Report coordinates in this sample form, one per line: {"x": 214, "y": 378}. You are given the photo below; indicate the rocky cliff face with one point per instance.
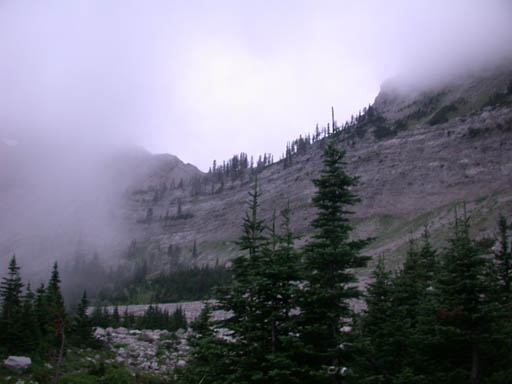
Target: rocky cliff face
{"x": 441, "y": 147}
{"x": 419, "y": 155}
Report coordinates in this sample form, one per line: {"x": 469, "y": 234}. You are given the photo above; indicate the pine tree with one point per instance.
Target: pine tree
{"x": 82, "y": 326}
{"x": 11, "y": 296}
{"x": 376, "y": 351}
{"x": 467, "y": 314}
{"x": 329, "y": 262}
{"x": 207, "y": 358}
{"x": 57, "y": 319}
{"x": 116, "y": 317}
{"x": 403, "y": 302}
{"x": 30, "y": 329}
{"x": 503, "y": 257}
{"x": 41, "y": 309}
{"x": 261, "y": 344}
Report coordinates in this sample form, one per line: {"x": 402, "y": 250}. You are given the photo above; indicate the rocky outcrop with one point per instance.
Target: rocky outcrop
{"x": 408, "y": 179}
{"x": 152, "y": 351}
{"x": 17, "y": 363}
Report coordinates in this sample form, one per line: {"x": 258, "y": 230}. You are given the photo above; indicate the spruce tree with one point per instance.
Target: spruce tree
{"x": 261, "y": 343}
{"x": 466, "y": 311}
{"x": 41, "y": 309}
{"x": 57, "y": 317}
{"x": 11, "y": 297}
{"x": 30, "y": 329}
{"x": 329, "y": 262}
{"x": 376, "y": 351}
{"x": 207, "y": 362}
{"x": 503, "y": 261}
{"x": 82, "y": 325}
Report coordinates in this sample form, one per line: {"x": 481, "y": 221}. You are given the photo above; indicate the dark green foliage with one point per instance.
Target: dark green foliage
{"x": 261, "y": 298}
{"x": 397, "y": 325}
{"x": 466, "y": 313}
{"x": 153, "y": 318}
{"x": 11, "y": 315}
{"x": 443, "y": 114}
{"x": 57, "y": 319}
{"x": 82, "y": 325}
{"x": 30, "y": 333}
{"x": 329, "y": 262}
{"x": 36, "y": 322}
{"x": 503, "y": 257}
{"x": 208, "y": 362}
{"x": 438, "y": 320}
{"x": 189, "y": 284}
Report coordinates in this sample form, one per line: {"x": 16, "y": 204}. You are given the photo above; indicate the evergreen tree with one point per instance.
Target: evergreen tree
{"x": 115, "y": 320}
{"x": 402, "y": 302}
{"x": 503, "y": 257}
{"x": 467, "y": 315}
{"x": 260, "y": 346}
{"x": 11, "y": 296}
{"x": 82, "y": 326}
{"x": 41, "y": 309}
{"x": 329, "y": 262}
{"x": 207, "y": 362}
{"x": 376, "y": 351}
{"x": 29, "y": 326}
{"x": 57, "y": 319}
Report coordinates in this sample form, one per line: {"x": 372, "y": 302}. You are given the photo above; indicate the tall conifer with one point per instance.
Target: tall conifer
{"x": 329, "y": 262}
{"x": 11, "y": 296}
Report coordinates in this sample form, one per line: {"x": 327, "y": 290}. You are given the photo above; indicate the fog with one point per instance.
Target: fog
{"x": 202, "y": 80}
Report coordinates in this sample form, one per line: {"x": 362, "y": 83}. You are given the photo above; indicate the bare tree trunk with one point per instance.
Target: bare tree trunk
{"x": 333, "y": 125}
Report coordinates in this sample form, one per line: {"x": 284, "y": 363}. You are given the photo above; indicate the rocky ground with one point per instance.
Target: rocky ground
{"x": 153, "y": 351}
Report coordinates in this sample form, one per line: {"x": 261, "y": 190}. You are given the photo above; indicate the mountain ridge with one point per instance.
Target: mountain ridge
{"x": 417, "y": 155}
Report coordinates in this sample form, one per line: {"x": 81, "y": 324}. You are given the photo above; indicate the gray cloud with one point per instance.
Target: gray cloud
{"x": 204, "y": 80}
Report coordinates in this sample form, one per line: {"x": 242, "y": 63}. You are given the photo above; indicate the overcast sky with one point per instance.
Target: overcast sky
{"x": 207, "y": 79}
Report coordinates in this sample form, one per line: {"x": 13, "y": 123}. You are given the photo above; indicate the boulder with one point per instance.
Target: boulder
{"x": 19, "y": 363}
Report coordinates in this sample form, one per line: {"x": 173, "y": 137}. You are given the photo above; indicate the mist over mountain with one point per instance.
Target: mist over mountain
{"x": 61, "y": 196}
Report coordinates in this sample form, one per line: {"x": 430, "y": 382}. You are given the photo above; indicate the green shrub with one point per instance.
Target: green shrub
{"x": 119, "y": 376}
{"x": 79, "y": 378}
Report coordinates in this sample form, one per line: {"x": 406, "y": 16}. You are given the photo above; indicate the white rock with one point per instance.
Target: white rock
{"x": 17, "y": 362}
{"x": 164, "y": 333}
{"x": 181, "y": 363}
{"x": 121, "y": 330}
